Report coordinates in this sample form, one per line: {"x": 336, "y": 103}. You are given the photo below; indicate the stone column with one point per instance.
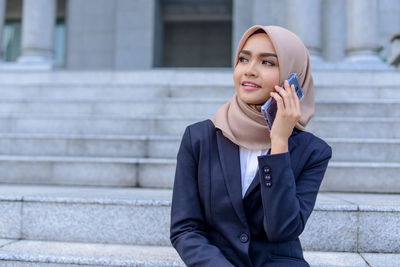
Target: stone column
{"x": 242, "y": 19}
{"x": 38, "y": 24}
{"x": 334, "y": 30}
{"x": 2, "y": 19}
{"x": 362, "y": 31}
{"x": 304, "y": 19}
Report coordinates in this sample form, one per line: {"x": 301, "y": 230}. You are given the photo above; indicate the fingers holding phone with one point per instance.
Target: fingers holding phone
{"x": 288, "y": 111}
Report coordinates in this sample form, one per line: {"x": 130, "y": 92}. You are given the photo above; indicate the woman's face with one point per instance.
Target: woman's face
{"x": 257, "y": 71}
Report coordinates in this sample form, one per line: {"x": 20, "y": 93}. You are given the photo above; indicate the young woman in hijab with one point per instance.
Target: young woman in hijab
{"x": 242, "y": 194}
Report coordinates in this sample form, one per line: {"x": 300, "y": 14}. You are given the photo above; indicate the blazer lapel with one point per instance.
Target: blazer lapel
{"x": 230, "y": 162}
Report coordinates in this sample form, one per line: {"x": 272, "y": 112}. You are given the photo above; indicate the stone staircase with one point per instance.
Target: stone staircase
{"x": 87, "y": 162}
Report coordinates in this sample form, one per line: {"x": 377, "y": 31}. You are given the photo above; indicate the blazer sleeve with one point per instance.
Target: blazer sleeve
{"x": 187, "y": 232}
{"x": 287, "y": 202}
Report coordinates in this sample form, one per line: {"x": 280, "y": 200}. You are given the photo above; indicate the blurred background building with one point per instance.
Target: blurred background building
{"x": 145, "y": 34}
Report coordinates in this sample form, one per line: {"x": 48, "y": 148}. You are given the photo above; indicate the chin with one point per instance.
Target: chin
{"x": 251, "y": 100}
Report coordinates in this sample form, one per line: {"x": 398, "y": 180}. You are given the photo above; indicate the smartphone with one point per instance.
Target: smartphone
{"x": 270, "y": 107}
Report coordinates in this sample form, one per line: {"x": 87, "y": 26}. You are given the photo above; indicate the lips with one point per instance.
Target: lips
{"x": 247, "y": 85}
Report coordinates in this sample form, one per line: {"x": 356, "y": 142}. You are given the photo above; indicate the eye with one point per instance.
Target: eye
{"x": 268, "y": 62}
{"x": 243, "y": 59}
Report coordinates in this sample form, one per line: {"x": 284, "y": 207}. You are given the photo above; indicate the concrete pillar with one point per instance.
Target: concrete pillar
{"x": 304, "y": 19}
{"x": 362, "y": 31}
{"x": 242, "y": 19}
{"x": 38, "y": 23}
{"x": 2, "y": 18}
{"x": 334, "y": 30}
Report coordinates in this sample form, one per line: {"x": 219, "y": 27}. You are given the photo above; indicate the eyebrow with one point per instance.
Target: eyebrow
{"x": 246, "y": 52}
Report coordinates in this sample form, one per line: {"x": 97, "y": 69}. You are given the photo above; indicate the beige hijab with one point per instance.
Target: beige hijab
{"x": 244, "y": 124}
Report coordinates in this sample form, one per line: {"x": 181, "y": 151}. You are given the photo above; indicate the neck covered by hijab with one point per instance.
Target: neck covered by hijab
{"x": 244, "y": 124}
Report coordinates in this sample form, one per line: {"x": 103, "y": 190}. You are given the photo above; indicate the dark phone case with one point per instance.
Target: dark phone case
{"x": 270, "y": 108}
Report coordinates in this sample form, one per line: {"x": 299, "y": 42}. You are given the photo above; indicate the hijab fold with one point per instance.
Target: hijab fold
{"x": 244, "y": 124}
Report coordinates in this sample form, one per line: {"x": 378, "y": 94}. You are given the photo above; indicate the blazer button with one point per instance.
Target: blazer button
{"x": 267, "y": 177}
{"x": 244, "y": 238}
{"x": 268, "y": 184}
{"x": 267, "y": 170}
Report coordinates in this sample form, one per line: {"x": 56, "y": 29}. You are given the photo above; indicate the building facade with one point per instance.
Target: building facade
{"x": 146, "y": 34}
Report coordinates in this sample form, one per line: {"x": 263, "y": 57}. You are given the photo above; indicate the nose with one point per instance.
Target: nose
{"x": 251, "y": 69}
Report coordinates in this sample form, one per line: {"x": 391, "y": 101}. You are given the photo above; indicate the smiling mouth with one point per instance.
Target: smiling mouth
{"x": 250, "y": 86}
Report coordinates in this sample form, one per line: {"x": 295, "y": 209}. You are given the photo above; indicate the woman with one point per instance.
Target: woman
{"x": 242, "y": 194}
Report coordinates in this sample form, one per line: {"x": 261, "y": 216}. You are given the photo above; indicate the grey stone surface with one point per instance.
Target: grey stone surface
{"x": 159, "y": 172}
{"x": 307, "y": 25}
{"x": 382, "y": 259}
{"x": 95, "y": 223}
{"x": 184, "y": 107}
{"x": 338, "y": 230}
{"x": 134, "y": 19}
{"x": 362, "y": 16}
{"x": 90, "y": 254}
{"x": 90, "y": 145}
{"x": 333, "y": 27}
{"x": 361, "y": 177}
{"x": 331, "y": 259}
{"x": 379, "y": 237}
{"x": 363, "y": 149}
{"x": 6, "y": 241}
{"x": 38, "y": 24}
{"x": 42, "y": 253}
{"x": 172, "y": 125}
{"x": 78, "y": 171}
{"x": 142, "y": 216}
{"x": 90, "y": 31}
{"x": 161, "y": 176}
{"x": 10, "y": 219}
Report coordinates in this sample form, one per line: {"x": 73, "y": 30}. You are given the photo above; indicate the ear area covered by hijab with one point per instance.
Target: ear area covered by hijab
{"x": 239, "y": 123}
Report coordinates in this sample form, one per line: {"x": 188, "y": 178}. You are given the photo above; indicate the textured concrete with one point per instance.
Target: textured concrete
{"x": 379, "y": 237}
{"x": 69, "y": 171}
{"x": 159, "y": 173}
{"x": 333, "y": 27}
{"x": 184, "y": 107}
{"x": 346, "y": 222}
{"x": 345, "y": 149}
{"x": 10, "y": 217}
{"x": 42, "y": 253}
{"x": 362, "y": 30}
{"x": 382, "y": 260}
{"x": 362, "y": 177}
{"x": 90, "y": 145}
{"x": 90, "y": 254}
{"x": 331, "y": 259}
{"x": 172, "y": 125}
{"x": 126, "y": 224}
{"x": 325, "y": 225}
{"x": 38, "y": 24}
{"x": 307, "y": 25}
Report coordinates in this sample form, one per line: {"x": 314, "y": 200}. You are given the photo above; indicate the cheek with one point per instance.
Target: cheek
{"x": 236, "y": 77}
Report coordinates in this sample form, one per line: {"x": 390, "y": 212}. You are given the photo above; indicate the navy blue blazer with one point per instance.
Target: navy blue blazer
{"x": 212, "y": 225}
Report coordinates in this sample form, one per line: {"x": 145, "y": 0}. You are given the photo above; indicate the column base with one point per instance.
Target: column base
{"x": 364, "y": 59}
{"x": 17, "y": 66}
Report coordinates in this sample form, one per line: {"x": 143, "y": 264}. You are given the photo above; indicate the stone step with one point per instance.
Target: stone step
{"x": 159, "y": 173}
{"x": 345, "y": 149}
{"x": 342, "y": 84}
{"x": 84, "y": 92}
{"x": 349, "y": 127}
{"x": 44, "y": 253}
{"x": 96, "y": 171}
{"x": 133, "y": 216}
{"x": 186, "y": 107}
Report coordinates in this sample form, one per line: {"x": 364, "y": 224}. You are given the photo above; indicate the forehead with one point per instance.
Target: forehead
{"x": 259, "y": 42}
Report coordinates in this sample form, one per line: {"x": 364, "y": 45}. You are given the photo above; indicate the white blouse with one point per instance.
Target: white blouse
{"x": 249, "y": 166}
